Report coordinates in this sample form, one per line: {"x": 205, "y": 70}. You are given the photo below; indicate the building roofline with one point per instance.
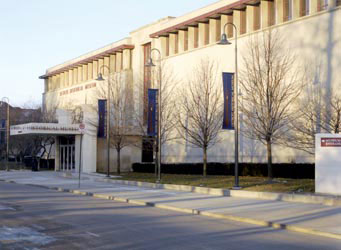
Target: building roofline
{"x": 225, "y": 10}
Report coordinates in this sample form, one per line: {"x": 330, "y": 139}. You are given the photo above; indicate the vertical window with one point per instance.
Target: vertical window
{"x": 256, "y": 17}
{"x": 271, "y": 13}
{"x": 207, "y": 34}
{"x": 186, "y": 40}
{"x": 230, "y": 29}
{"x": 167, "y": 46}
{"x": 243, "y": 22}
{"x": 322, "y": 5}
{"x": 287, "y": 10}
{"x": 146, "y": 79}
{"x": 176, "y": 45}
{"x": 196, "y": 37}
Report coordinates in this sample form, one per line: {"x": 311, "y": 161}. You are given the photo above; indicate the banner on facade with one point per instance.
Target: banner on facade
{"x": 102, "y": 119}
{"x": 152, "y": 112}
{"x": 228, "y": 87}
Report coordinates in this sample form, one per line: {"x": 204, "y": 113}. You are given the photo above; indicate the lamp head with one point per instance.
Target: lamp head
{"x": 100, "y": 77}
{"x": 150, "y": 63}
{"x": 223, "y": 40}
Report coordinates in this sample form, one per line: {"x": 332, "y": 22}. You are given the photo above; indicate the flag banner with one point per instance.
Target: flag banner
{"x": 102, "y": 119}
{"x": 228, "y": 119}
{"x": 152, "y": 112}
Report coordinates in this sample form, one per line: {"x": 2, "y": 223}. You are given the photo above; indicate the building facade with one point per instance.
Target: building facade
{"x": 310, "y": 26}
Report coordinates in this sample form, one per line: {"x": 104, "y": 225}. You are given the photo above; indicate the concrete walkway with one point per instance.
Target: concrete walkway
{"x": 300, "y": 217}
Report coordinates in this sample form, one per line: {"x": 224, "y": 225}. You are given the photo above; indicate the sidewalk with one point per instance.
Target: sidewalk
{"x": 300, "y": 217}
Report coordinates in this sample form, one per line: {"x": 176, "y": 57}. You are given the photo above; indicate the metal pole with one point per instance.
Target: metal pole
{"x": 236, "y": 115}
{"x": 80, "y": 162}
{"x": 236, "y": 123}
{"x": 108, "y": 128}
{"x": 7, "y": 146}
{"x": 158, "y": 145}
{"x": 159, "y": 127}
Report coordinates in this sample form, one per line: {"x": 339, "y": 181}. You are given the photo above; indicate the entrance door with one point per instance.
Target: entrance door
{"x": 67, "y": 153}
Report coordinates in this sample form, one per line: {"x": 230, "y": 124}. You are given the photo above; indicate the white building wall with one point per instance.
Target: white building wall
{"x": 315, "y": 39}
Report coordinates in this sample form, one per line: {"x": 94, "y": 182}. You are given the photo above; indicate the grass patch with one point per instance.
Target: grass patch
{"x": 226, "y": 182}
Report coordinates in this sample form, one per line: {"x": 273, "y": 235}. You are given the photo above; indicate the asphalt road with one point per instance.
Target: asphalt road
{"x": 37, "y": 218}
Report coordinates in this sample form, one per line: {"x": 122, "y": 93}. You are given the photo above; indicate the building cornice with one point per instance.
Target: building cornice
{"x": 88, "y": 60}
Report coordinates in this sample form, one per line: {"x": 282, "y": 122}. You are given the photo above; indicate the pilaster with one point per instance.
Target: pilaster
{"x": 215, "y": 31}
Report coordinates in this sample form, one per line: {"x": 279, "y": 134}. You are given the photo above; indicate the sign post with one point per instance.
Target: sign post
{"x": 81, "y": 130}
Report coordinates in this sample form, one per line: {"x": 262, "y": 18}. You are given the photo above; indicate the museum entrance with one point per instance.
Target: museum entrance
{"x": 67, "y": 153}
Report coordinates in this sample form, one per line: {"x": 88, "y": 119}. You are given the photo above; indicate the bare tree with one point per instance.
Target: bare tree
{"x": 121, "y": 111}
{"x": 200, "y": 109}
{"x": 313, "y": 118}
{"x": 270, "y": 82}
{"x": 164, "y": 74}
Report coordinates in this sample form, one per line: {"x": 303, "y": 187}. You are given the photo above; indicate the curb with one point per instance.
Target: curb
{"x": 258, "y": 222}
{"x": 302, "y": 198}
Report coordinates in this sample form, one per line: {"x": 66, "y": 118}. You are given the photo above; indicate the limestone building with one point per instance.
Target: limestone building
{"x": 312, "y": 29}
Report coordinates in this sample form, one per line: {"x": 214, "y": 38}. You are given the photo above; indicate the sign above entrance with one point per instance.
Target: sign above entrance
{"x": 45, "y": 128}
{"x": 330, "y": 142}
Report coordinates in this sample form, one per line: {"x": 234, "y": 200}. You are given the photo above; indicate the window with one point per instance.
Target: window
{"x": 243, "y": 22}
{"x": 186, "y": 40}
{"x": 256, "y": 17}
{"x": 176, "y": 43}
{"x": 322, "y": 5}
{"x": 304, "y": 7}
{"x": 287, "y": 10}
{"x": 207, "y": 34}
{"x": 271, "y": 13}
{"x": 196, "y": 37}
{"x": 167, "y": 46}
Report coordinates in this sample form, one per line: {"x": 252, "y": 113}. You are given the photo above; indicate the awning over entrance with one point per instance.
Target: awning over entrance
{"x": 45, "y": 129}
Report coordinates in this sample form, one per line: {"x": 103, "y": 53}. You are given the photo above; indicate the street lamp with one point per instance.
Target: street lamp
{"x": 158, "y": 145}
{"x": 7, "y": 129}
{"x": 224, "y": 41}
{"x": 100, "y": 78}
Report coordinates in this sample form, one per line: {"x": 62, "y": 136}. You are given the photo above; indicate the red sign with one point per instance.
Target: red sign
{"x": 330, "y": 142}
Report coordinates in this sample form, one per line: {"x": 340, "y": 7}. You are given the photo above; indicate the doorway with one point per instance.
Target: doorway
{"x": 67, "y": 153}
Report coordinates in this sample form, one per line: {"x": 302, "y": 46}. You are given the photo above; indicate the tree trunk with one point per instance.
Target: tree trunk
{"x": 269, "y": 153}
{"x": 205, "y": 162}
{"x": 118, "y": 161}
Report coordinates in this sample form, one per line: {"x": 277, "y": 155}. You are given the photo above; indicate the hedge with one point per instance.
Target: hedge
{"x": 280, "y": 170}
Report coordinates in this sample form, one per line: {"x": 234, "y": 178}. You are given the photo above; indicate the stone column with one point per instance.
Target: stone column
{"x": 164, "y": 40}
{"x": 279, "y": 11}
{"x": 112, "y": 63}
{"x": 215, "y": 31}
{"x": 267, "y": 13}
{"x": 62, "y": 80}
{"x": 90, "y": 72}
{"x": 193, "y": 38}
{"x": 100, "y": 64}
{"x": 66, "y": 78}
{"x": 118, "y": 61}
{"x": 75, "y": 76}
{"x": 203, "y": 34}
{"x": 95, "y": 69}
{"x": 229, "y": 28}
{"x": 181, "y": 41}
{"x": 85, "y": 72}
{"x": 173, "y": 44}
{"x": 70, "y": 77}
{"x": 80, "y": 74}
{"x": 127, "y": 59}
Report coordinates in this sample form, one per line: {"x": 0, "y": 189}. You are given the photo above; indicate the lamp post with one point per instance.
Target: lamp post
{"x": 224, "y": 41}
{"x": 158, "y": 145}
{"x": 100, "y": 78}
{"x": 7, "y": 130}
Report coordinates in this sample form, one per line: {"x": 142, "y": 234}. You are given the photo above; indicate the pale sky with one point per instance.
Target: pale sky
{"x": 38, "y": 34}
